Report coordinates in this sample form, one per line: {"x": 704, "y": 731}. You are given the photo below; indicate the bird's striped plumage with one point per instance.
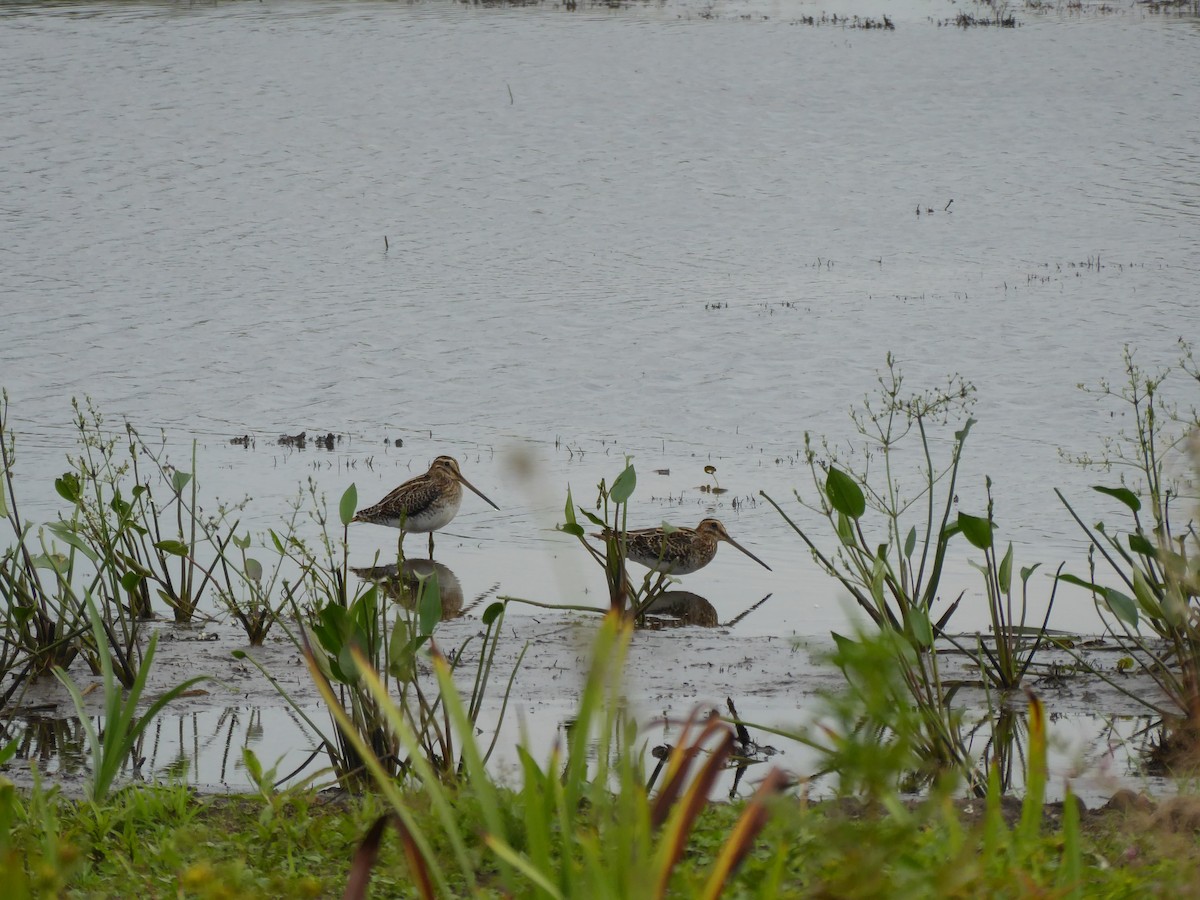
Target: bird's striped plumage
{"x": 680, "y": 551}
{"x": 423, "y": 504}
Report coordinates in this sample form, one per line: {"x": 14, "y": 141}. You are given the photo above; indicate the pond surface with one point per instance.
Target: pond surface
{"x": 539, "y": 240}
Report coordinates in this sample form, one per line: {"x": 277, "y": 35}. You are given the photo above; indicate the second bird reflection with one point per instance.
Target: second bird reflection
{"x": 401, "y": 585}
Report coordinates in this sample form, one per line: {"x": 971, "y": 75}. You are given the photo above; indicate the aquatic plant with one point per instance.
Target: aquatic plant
{"x": 111, "y": 746}
{"x": 612, "y": 504}
{"x": 1155, "y": 558}
{"x": 569, "y": 832}
{"x": 895, "y": 574}
{"x": 1007, "y": 657}
{"x": 337, "y": 627}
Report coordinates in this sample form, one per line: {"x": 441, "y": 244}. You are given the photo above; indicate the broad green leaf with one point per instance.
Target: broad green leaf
{"x": 179, "y": 480}
{"x": 976, "y": 530}
{"x": 1138, "y": 544}
{"x": 844, "y": 493}
{"x": 1125, "y": 495}
{"x": 130, "y": 581}
{"x": 623, "y": 487}
{"x": 1026, "y": 571}
{"x": 348, "y": 505}
{"x": 1145, "y": 596}
{"x": 1122, "y": 606}
{"x": 1005, "y": 573}
{"x": 55, "y": 561}
{"x": 910, "y": 542}
{"x": 242, "y": 543}
{"x": 918, "y": 622}
{"x": 175, "y": 548}
{"x": 345, "y": 669}
{"x": 68, "y": 487}
{"x": 254, "y": 569}
{"x": 493, "y": 611}
{"x": 572, "y": 528}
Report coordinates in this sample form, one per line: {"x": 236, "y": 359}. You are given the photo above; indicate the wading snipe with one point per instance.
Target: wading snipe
{"x": 683, "y": 550}
{"x": 422, "y": 504}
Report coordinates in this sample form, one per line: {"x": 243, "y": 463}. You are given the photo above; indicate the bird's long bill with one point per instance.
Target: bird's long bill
{"x": 749, "y": 554}
{"x": 479, "y": 492}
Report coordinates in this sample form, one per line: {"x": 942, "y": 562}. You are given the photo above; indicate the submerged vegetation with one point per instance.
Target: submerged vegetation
{"x": 408, "y": 743}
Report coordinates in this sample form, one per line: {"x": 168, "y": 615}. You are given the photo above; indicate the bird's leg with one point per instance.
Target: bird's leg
{"x": 400, "y": 551}
{"x": 431, "y": 545}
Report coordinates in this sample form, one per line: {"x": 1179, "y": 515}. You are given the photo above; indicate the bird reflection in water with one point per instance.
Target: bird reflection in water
{"x": 401, "y": 584}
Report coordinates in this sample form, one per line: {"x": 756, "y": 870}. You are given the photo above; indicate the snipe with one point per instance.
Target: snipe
{"x": 423, "y": 504}
{"x": 681, "y": 551}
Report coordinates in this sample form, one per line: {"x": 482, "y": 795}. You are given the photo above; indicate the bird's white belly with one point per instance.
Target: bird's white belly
{"x": 434, "y": 517}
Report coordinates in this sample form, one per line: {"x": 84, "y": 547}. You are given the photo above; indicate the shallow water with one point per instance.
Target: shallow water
{"x": 687, "y": 232}
{"x": 541, "y": 240}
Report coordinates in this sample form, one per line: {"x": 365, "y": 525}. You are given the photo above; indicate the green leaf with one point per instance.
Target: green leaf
{"x": 130, "y": 581}
{"x": 242, "y": 543}
{"x": 1138, "y": 544}
{"x": 401, "y": 652}
{"x": 429, "y": 604}
{"x": 493, "y": 612}
{"x": 1026, "y": 571}
{"x": 179, "y": 480}
{"x": 845, "y": 530}
{"x": 68, "y": 487}
{"x": 348, "y": 505}
{"x": 175, "y": 548}
{"x": 1005, "y": 573}
{"x": 910, "y": 542}
{"x": 976, "y": 530}
{"x": 844, "y": 494}
{"x": 64, "y": 531}
{"x": 1125, "y": 495}
{"x": 1146, "y": 599}
{"x": 3, "y": 501}
{"x": 593, "y": 518}
{"x": 254, "y": 569}
{"x": 572, "y": 528}
{"x": 1079, "y": 582}
{"x": 918, "y": 622}
{"x": 569, "y": 509}
{"x": 346, "y": 669}
{"x": 623, "y": 487}
{"x": 1122, "y": 606}
{"x": 961, "y": 436}
{"x": 55, "y": 561}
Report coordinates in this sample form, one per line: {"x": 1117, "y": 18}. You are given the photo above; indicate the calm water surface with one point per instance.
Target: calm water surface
{"x": 687, "y": 232}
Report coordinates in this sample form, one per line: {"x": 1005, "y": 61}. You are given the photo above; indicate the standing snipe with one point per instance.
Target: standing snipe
{"x": 422, "y": 504}
{"x": 683, "y": 550}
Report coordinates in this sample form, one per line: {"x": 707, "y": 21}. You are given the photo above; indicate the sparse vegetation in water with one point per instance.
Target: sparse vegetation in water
{"x": 405, "y": 739}
{"x": 1146, "y": 571}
